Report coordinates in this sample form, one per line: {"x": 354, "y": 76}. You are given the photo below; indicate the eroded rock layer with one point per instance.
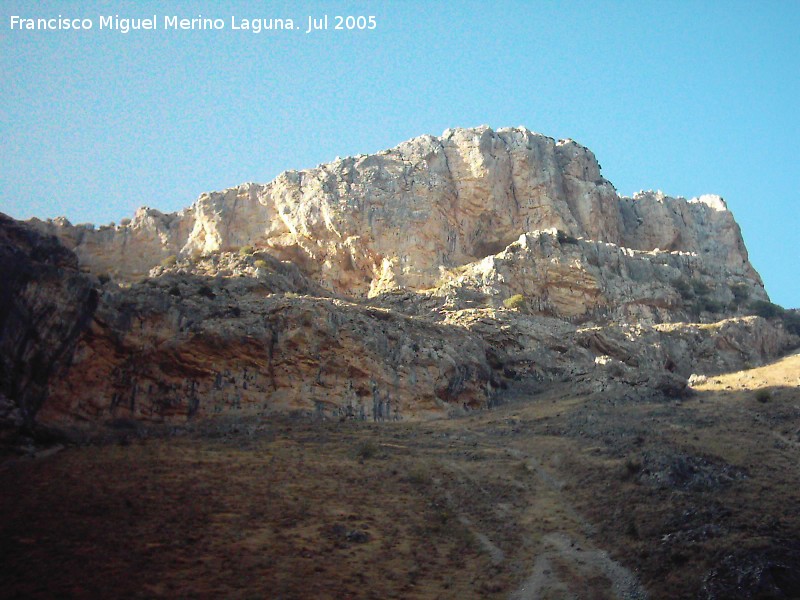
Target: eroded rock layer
{"x": 366, "y": 224}
{"x": 445, "y": 275}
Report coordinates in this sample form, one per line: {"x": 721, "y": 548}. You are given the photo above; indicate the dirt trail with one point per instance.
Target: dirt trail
{"x": 577, "y": 558}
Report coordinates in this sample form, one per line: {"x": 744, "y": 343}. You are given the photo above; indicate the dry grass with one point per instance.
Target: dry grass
{"x": 545, "y": 497}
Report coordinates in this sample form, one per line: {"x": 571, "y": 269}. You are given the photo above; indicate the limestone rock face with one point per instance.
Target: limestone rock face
{"x": 447, "y": 274}
{"x": 182, "y": 346}
{"x": 559, "y": 275}
{"x": 365, "y": 224}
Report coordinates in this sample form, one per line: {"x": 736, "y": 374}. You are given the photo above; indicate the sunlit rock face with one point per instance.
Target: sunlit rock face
{"x": 438, "y": 277}
{"x": 365, "y": 224}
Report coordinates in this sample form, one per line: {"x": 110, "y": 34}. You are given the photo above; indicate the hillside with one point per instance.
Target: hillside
{"x": 551, "y": 496}
{"x": 461, "y": 367}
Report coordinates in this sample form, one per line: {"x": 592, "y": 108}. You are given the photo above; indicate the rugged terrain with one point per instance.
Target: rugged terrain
{"x": 424, "y": 280}
{"x": 552, "y": 495}
{"x": 502, "y": 378}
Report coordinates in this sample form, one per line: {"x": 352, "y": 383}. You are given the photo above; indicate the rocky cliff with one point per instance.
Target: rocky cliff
{"x": 365, "y": 224}
{"x": 444, "y": 275}
{"x": 45, "y": 304}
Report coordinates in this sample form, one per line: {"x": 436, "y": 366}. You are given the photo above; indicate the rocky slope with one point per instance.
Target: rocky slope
{"x": 441, "y": 276}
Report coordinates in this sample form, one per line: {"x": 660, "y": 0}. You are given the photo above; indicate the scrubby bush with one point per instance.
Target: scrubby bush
{"x": 246, "y": 250}
{"x": 763, "y": 396}
{"x": 791, "y": 321}
{"x": 682, "y": 287}
{"x": 565, "y": 238}
{"x": 169, "y": 261}
{"x": 515, "y": 302}
{"x": 260, "y": 264}
{"x": 700, "y": 288}
{"x": 712, "y": 306}
{"x": 367, "y": 450}
{"x": 765, "y": 309}
{"x": 206, "y": 291}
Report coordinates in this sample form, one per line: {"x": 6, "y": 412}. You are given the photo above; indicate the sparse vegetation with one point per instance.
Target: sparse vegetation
{"x": 763, "y": 396}
{"x": 260, "y": 263}
{"x": 791, "y": 321}
{"x": 206, "y": 291}
{"x": 366, "y": 450}
{"x": 682, "y": 287}
{"x": 565, "y": 238}
{"x": 700, "y": 288}
{"x": 515, "y": 302}
{"x": 769, "y": 310}
{"x": 169, "y": 261}
{"x": 740, "y": 293}
{"x": 765, "y": 309}
{"x": 246, "y": 250}
{"x": 320, "y": 508}
{"x": 712, "y": 306}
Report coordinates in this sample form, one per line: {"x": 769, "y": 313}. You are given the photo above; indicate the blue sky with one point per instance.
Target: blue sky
{"x": 686, "y": 97}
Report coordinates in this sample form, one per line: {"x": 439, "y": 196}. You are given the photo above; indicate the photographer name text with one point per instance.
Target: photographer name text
{"x": 124, "y": 25}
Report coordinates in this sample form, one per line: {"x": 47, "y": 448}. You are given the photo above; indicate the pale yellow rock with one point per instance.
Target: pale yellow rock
{"x": 362, "y": 224}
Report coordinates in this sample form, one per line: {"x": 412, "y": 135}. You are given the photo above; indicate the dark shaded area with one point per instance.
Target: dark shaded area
{"x": 699, "y": 498}
{"x": 45, "y": 304}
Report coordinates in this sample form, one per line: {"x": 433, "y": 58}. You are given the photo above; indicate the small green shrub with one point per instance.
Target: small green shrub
{"x": 367, "y": 450}
{"x": 763, "y": 396}
{"x": 632, "y": 468}
{"x": 740, "y": 293}
{"x": 712, "y": 306}
{"x": 169, "y": 261}
{"x": 514, "y": 302}
{"x": 418, "y": 476}
{"x": 791, "y": 321}
{"x": 246, "y": 250}
{"x": 260, "y": 264}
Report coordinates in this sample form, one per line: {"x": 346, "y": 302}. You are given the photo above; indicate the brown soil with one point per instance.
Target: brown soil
{"x": 556, "y": 496}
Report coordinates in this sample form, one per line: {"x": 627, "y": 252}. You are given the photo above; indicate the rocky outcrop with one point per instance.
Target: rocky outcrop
{"x": 367, "y": 224}
{"x": 45, "y": 305}
{"x": 635, "y": 359}
{"x": 183, "y": 346}
{"x": 493, "y": 263}
{"x": 555, "y": 274}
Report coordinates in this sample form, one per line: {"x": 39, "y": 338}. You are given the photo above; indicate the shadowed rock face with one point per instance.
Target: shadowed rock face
{"x": 496, "y": 262}
{"x": 45, "y": 305}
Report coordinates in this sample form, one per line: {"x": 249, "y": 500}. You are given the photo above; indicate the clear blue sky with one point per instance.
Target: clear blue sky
{"x": 686, "y": 97}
